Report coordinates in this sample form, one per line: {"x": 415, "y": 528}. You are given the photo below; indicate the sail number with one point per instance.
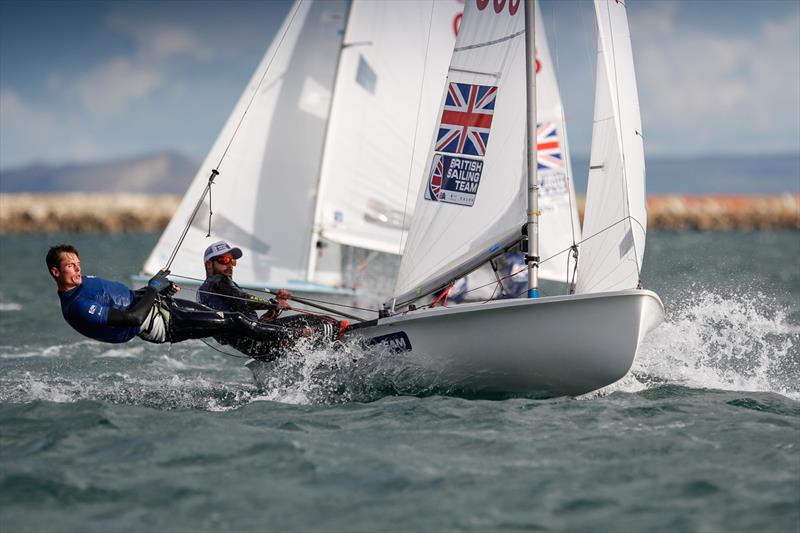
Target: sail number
{"x": 513, "y": 5}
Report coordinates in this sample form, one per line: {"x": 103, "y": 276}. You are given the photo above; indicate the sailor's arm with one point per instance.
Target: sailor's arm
{"x": 135, "y": 315}
{"x": 144, "y": 302}
{"x": 242, "y": 300}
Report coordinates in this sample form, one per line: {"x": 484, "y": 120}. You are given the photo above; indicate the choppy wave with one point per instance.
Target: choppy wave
{"x": 728, "y": 342}
{"x": 708, "y": 341}
{"x": 10, "y": 306}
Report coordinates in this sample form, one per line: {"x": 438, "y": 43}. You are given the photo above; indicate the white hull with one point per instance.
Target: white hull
{"x": 545, "y": 347}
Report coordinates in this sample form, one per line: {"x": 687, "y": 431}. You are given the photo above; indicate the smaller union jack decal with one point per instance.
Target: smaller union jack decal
{"x": 466, "y": 119}
{"x": 548, "y": 147}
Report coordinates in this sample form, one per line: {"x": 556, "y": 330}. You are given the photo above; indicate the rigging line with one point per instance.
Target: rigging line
{"x": 303, "y": 300}
{"x": 223, "y": 352}
{"x": 215, "y": 171}
{"x": 416, "y": 130}
{"x": 570, "y": 174}
{"x": 554, "y": 255}
{"x": 263, "y": 76}
{"x": 625, "y": 189}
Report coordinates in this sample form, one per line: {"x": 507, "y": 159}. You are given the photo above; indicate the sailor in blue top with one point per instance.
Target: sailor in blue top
{"x": 110, "y": 312}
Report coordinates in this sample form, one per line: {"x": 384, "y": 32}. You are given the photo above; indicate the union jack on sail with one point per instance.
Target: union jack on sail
{"x": 548, "y": 148}
{"x": 437, "y": 177}
{"x": 466, "y": 119}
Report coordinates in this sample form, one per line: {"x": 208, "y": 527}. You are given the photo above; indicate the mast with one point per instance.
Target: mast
{"x": 316, "y": 234}
{"x": 532, "y": 257}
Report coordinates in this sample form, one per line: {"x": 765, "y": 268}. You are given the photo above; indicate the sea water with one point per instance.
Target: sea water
{"x": 702, "y": 435}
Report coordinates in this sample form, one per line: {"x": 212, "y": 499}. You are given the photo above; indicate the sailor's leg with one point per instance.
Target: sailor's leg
{"x": 190, "y": 320}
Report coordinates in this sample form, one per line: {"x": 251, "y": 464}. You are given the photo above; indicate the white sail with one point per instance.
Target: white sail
{"x": 447, "y": 235}
{"x": 389, "y": 83}
{"x": 616, "y": 213}
{"x": 262, "y": 197}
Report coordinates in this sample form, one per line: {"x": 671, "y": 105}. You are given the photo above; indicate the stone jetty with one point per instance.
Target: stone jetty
{"x": 116, "y": 213}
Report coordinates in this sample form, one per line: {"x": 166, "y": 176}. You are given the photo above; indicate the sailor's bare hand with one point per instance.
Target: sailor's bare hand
{"x": 283, "y": 305}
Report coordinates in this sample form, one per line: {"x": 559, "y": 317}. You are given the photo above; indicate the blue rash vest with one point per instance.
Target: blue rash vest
{"x": 86, "y": 308}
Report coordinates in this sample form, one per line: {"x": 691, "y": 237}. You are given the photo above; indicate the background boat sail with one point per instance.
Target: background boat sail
{"x": 324, "y": 151}
{"x": 473, "y": 203}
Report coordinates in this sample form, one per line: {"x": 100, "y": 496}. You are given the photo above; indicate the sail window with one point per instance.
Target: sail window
{"x": 365, "y": 76}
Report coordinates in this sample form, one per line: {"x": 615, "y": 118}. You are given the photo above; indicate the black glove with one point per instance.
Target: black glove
{"x": 160, "y": 282}
{"x": 171, "y": 290}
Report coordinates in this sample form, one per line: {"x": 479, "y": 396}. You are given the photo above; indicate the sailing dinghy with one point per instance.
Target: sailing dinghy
{"x": 478, "y": 191}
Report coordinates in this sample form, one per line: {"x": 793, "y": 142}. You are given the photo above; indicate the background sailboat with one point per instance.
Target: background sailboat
{"x": 324, "y": 152}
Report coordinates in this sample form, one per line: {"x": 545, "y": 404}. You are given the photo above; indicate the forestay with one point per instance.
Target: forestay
{"x": 473, "y": 198}
{"x": 269, "y": 174}
{"x": 559, "y": 226}
{"x": 616, "y": 213}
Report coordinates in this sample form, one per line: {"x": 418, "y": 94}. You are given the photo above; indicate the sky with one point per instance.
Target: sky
{"x": 87, "y": 81}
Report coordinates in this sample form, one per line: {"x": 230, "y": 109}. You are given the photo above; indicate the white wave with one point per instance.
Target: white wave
{"x": 10, "y": 306}
{"x": 741, "y": 343}
{"x": 122, "y": 352}
{"x": 63, "y": 351}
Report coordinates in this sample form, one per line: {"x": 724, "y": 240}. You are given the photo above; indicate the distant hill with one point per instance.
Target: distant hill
{"x": 162, "y": 173}
{"x": 170, "y": 173}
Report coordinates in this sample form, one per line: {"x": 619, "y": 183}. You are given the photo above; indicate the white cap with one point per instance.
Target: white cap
{"x": 221, "y": 248}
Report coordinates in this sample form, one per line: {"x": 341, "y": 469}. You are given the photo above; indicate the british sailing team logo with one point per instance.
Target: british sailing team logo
{"x": 454, "y": 180}
{"x": 463, "y": 129}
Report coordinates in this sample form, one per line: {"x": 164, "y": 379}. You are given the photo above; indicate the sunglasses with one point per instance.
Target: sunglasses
{"x": 224, "y": 260}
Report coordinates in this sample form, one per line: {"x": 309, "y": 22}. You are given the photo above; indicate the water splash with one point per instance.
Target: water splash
{"x": 729, "y": 342}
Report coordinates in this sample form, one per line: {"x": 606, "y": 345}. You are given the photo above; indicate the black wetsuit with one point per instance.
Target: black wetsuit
{"x": 222, "y": 293}
{"x": 110, "y": 312}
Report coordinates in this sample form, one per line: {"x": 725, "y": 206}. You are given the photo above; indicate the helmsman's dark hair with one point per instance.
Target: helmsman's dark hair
{"x": 54, "y": 254}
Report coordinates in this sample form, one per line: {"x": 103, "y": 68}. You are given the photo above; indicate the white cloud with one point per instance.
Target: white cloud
{"x": 108, "y": 89}
{"x": 24, "y": 129}
{"x": 159, "y": 41}
{"x": 20, "y": 119}
{"x": 702, "y": 91}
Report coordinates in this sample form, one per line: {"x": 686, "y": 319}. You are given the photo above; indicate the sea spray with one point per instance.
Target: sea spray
{"x": 729, "y": 342}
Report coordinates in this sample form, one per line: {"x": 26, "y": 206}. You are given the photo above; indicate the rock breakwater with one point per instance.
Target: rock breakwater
{"x": 105, "y": 213}
{"x": 116, "y": 213}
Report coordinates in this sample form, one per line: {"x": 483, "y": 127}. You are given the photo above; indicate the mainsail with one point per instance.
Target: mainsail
{"x": 615, "y": 223}
{"x": 473, "y": 200}
{"x": 325, "y": 149}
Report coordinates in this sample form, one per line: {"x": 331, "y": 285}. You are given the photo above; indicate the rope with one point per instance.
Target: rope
{"x": 215, "y": 171}
{"x": 416, "y": 130}
{"x": 573, "y": 247}
{"x": 223, "y": 352}
{"x": 305, "y": 301}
